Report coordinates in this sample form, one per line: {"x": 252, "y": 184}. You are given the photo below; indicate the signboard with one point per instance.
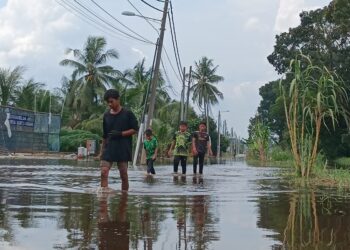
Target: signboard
{"x": 21, "y": 120}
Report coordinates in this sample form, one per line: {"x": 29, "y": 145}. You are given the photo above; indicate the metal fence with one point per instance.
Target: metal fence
{"x": 28, "y": 131}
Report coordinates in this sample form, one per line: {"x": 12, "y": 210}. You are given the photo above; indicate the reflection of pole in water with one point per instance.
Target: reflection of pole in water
{"x": 146, "y": 230}
{"x": 181, "y": 221}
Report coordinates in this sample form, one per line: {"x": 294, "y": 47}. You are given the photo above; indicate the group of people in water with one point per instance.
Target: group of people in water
{"x": 120, "y": 124}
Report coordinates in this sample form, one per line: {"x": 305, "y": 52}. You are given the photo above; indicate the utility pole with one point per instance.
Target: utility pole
{"x": 182, "y": 101}
{"x": 224, "y": 128}
{"x": 232, "y": 143}
{"x": 219, "y": 139}
{"x": 137, "y": 154}
{"x": 156, "y": 66}
{"x": 188, "y": 93}
{"x": 236, "y": 143}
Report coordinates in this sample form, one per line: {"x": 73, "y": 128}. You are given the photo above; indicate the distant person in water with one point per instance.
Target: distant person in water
{"x": 119, "y": 125}
{"x": 200, "y": 146}
{"x": 151, "y": 147}
{"x": 181, "y": 145}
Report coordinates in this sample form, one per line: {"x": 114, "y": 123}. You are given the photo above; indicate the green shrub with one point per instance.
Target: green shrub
{"x": 278, "y": 154}
{"x": 343, "y": 162}
{"x": 72, "y": 139}
{"x": 94, "y": 126}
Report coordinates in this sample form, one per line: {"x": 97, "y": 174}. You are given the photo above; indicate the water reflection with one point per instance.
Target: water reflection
{"x": 231, "y": 207}
{"x": 113, "y": 233}
{"x": 307, "y": 219}
{"x": 203, "y": 223}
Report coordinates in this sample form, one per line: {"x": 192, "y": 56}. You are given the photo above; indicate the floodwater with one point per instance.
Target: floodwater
{"x": 55, "y": 205}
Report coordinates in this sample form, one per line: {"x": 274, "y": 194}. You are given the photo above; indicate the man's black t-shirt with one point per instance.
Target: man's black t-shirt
{"x": 118, "y": 149}
{"x": 201, "y": 141}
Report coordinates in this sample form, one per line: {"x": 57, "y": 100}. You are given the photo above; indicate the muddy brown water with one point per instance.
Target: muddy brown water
{"x": 55, "y": 205}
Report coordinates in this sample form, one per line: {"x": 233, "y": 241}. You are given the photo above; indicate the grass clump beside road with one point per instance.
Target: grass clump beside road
{"x": 332, "y": 177}
{"x": 343, "y": 162}
{"x": 322, "y": 174}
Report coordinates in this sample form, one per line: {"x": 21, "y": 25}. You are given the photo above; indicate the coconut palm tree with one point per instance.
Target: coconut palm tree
{"x": 27, "y": 93}
{"x": 205, "y": 93}
{"x": 92, "y": 75}
{"x": 135, "y": 83}
{"x": 9, "y": 82}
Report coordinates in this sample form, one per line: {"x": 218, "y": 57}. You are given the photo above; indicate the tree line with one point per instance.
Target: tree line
{"x": 80, "y": 102}
{"x": 311, "y": 97}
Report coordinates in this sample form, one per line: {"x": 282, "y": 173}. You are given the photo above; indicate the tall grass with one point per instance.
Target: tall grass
{"x": 313, "y": 95}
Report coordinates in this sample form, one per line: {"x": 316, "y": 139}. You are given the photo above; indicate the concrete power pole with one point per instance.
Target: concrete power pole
{"x": 188, "y": 94}
{"x": 155, "y": 78}
{"x": 219, "y": 139}
{"x": 182, "y": 101}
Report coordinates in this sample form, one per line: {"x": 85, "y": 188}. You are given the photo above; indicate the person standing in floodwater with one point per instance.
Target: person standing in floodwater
{"x": 200, "y": 146}
{"x": 119, "y": 125}
{"x": 181, "y": 145}
{"x": 151, "y": 147}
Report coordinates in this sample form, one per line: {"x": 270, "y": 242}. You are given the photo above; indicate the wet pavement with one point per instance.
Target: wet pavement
{"x": 56, "y": 205}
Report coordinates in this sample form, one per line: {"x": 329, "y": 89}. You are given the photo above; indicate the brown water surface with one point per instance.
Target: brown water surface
{"x": 56, "y": 205}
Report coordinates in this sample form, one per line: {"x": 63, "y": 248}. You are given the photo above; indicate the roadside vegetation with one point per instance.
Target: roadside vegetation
{"x": 307, "y": 109}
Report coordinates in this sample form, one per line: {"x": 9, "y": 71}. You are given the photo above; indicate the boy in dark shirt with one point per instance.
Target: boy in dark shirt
{"x": 119, "y": 124}
{"x": 151, "y": 147}
{"x": 181, "y": 145}
{"x": 200, "y": 145}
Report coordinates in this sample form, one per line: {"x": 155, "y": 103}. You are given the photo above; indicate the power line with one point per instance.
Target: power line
{"x": 111, "y": 25}
{"x": 165, "y": 50}
{"x": 81, "y": 15}
{"x": 174, "y": 37}
{"x": 168, "y": 79}
{"x": 172, "y": 66}
{"x": 114, "y": 18}
{"x": 151, "y": 6}
{"x": 174, "y": 48}
{"x": 140, "y": 13}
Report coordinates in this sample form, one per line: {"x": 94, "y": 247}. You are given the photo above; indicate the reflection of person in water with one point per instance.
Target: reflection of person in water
{"x": 198, "y": 215}
{"x": 114, "y": 234}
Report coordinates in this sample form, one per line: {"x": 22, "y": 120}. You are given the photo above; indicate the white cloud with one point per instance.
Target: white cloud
{"x": 288, "y": 14}
{"x": 28, "y": 27}
{"x": 139, "y": 52}
{"x": 252, "y": 23}
{"x": 242, "y": 100}
{"x": 289, "y": 10}
{"x": 30, "y": 35}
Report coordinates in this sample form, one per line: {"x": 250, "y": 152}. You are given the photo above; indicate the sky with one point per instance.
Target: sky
{"x": 237, "y": 35}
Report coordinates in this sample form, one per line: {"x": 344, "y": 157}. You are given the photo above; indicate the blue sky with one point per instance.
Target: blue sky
{"x": 238, "y": 35}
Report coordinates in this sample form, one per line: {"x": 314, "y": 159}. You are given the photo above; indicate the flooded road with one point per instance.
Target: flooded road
{"x": 55, "y": 205}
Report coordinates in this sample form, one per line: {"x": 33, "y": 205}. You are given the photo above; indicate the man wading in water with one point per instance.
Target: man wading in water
{"x": 119, "y": 124}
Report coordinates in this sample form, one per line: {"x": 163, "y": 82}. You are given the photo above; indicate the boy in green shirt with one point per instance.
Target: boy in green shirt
{"x": 151, "y": 146}
{"x": 181, "y": 145}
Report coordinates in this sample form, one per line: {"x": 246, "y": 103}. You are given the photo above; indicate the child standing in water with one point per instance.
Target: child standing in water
{"x": 200, "y": 146}
{"x": 181, "y": 145}
{"x": 151, "y": 147}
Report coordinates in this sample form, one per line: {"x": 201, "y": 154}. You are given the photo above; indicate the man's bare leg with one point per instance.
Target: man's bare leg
{"x": 105, "y": 167}
{"x": 123, "y": 171}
